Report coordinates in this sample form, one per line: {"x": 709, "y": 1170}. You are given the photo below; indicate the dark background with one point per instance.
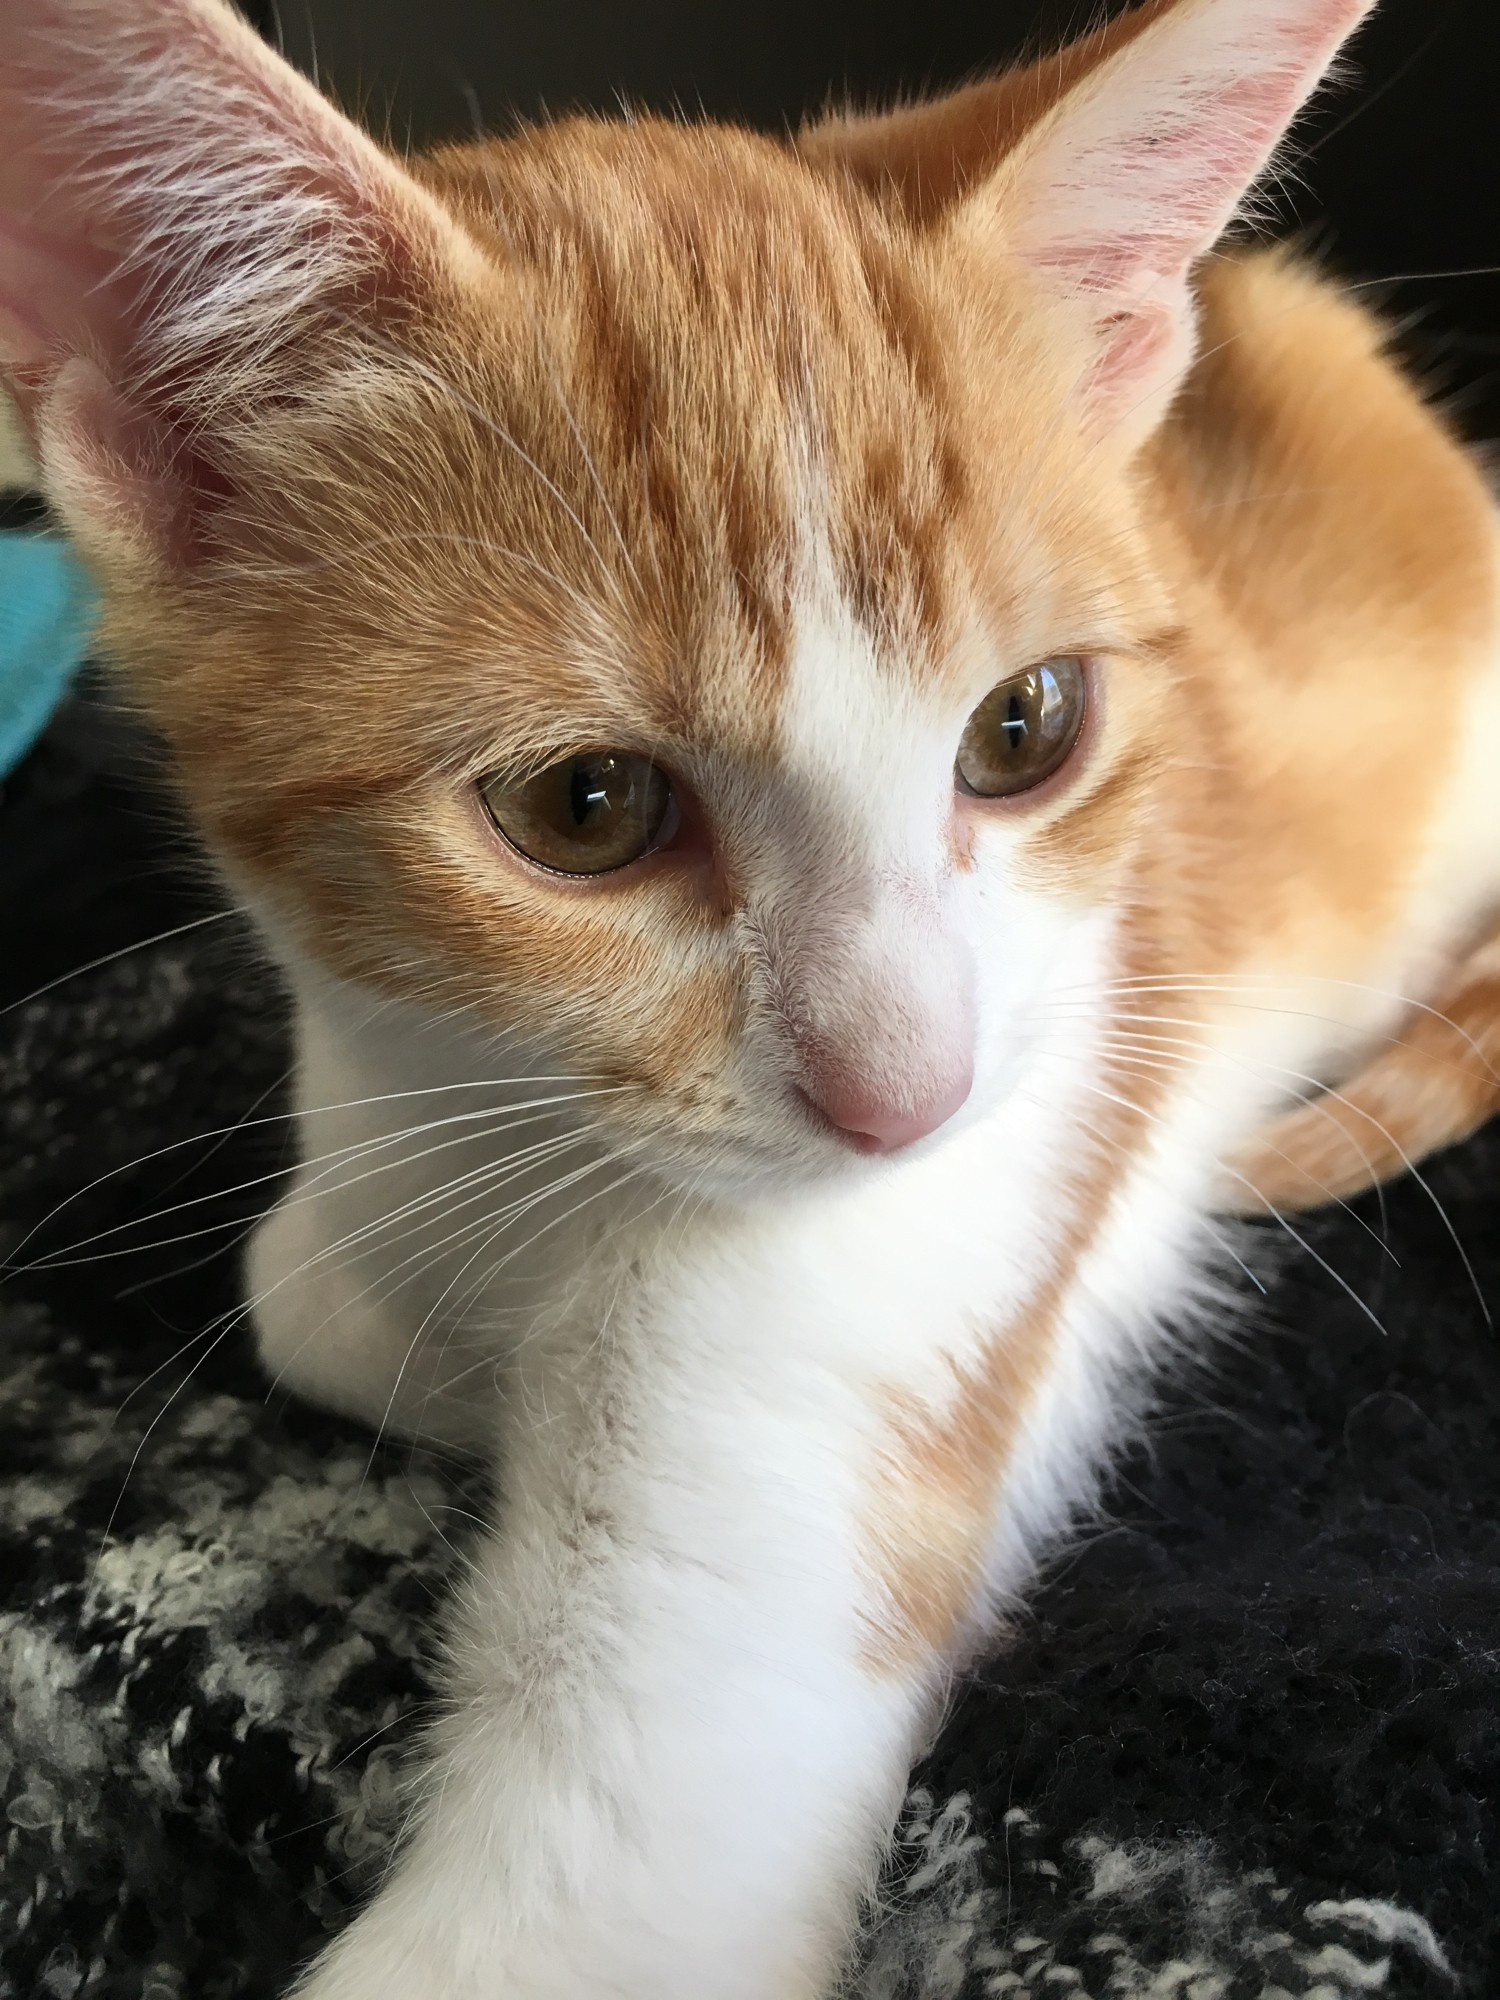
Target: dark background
{"x": 1400, "y": 176}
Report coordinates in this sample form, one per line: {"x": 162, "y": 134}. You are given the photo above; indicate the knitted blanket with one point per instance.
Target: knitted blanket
{"x": 1244, "y": 1744}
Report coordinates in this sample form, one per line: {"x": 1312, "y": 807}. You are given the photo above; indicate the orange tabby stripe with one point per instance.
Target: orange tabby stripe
{"x": 1435, "y": 1083}
{"x": 941, "y": 1472}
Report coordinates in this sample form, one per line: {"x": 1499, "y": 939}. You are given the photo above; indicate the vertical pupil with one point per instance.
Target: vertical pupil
{"x": 586, "y": 790}
{"x": 1014, "y": 725}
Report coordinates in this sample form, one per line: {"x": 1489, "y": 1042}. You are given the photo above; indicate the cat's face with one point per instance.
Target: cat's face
{"x": 649, "y": 595}
{"x": 635, "y": 692}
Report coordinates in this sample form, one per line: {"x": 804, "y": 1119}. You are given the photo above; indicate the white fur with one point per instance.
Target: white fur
{"x": 662, "y": 1697}
{"x": 661, "y": 1700}
{"x": 658, "y": 1671}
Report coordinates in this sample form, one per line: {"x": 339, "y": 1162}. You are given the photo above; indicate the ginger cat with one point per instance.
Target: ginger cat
{"x": 839, "y": 741}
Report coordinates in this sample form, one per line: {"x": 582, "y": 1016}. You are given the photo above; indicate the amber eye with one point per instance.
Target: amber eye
{"x": 1023, "y": 730}
{"x": 599, "y": 810}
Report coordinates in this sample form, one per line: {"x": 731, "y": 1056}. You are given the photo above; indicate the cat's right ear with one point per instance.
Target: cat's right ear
{"x": 923, "y": 157}
{"x": 1108, "y": 202}
{"x": 1104, "y": 173}
{"x": 182, "y": 216}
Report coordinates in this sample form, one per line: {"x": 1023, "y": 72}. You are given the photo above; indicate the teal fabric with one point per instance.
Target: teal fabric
{"x": 46, "y": 617}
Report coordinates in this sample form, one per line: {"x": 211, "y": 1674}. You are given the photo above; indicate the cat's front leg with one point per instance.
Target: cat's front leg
{"x": 673, "y": 1751}
{"x": 337, "y": 1325}
{"x": 362, "y": 1280}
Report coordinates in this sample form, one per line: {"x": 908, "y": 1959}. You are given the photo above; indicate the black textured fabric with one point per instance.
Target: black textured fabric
{"x": 1245, "y": 1742}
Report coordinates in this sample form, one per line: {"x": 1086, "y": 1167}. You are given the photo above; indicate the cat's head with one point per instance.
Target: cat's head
{"x": 679, "y": 599}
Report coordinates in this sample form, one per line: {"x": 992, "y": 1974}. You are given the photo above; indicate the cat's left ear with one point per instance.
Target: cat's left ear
{"x": 1112, "y": 197}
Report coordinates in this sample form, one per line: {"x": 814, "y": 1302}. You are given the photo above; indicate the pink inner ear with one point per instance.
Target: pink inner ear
{"x": 108, "y": 463}
{"x": 181, "y": 211}
{"x": 75, "y": 142}
{"x": 50, "y": 286}
{"x": 1139, "y": 346}
{"x": 1137, "y": 173}
{"x": 1172, "y": 188}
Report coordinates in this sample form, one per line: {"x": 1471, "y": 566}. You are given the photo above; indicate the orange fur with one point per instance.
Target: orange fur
{"x": 1434, "y": 1083}
{"x": 548, "y": 489}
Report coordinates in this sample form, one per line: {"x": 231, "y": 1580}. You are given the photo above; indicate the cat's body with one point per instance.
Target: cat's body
{"x": 768, "y": 463}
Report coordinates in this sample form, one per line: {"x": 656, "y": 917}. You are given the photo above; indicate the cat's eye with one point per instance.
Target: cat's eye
{"x": 1023, "y": 730}
{"x": 591, "y": 813}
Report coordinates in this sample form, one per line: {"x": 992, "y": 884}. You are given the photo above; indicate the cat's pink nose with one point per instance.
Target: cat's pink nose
{"x": 874, "y": 1123}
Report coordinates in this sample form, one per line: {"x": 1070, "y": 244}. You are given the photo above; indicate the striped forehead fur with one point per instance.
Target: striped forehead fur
{"x": 680, "y": 440}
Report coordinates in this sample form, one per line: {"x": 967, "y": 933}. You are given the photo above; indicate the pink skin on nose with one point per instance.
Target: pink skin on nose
{"x": 883, "y": 1027}
{"x": 876, "y": 1120}
{"x": 874, "y": 1125}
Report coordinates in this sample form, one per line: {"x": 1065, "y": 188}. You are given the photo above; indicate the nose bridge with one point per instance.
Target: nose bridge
{"x": 857, "y": 836}
{"x": 876, "y": 988}
{"x": 881, "y": 939}
{"x": 869, "y": 967}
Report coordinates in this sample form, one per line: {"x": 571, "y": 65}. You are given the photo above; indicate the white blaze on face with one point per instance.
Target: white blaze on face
{"x": 906, "y": 985}
{"x": 869, "y": 960}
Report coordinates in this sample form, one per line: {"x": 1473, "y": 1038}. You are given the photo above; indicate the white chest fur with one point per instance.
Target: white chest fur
{"x": 690, "y": 1405}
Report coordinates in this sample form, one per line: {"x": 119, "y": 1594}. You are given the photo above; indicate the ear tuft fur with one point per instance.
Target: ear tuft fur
{"x": 1134, "y": 175}
{"x": 182, "y": 212}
